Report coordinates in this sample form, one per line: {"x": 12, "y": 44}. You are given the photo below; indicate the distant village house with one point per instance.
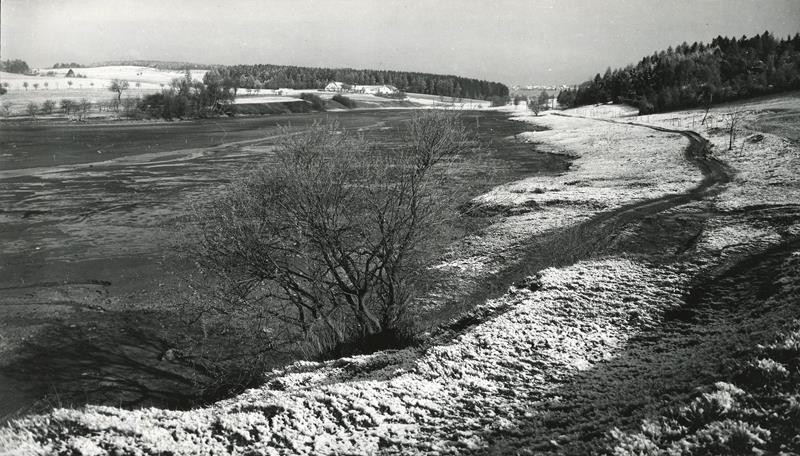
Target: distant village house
{"x": 376, "y": 89}
{"x": 337, "y": 87}
{"x": 340, "y": 87}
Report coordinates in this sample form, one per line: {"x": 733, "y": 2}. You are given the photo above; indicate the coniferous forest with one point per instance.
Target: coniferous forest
{"x": 697, "y": 75}
{"x": 293, "y": 77}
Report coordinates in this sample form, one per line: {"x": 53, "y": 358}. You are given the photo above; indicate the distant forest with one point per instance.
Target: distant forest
{"x": 293, "y": 77}
{"x": 68, "y": 65}
{"x": 159, "y": 64}
{"x": 697, "y": 75}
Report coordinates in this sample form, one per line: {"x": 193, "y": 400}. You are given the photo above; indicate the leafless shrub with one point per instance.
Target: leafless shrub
{"x": 329, "y": 243}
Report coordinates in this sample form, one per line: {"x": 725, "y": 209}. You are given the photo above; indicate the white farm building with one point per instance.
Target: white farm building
{"x": 379, "y": 89}
{"x": 384, "y": 89}
{"x": 336, "y": 86}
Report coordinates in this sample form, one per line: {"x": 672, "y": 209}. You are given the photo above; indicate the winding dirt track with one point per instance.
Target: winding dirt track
{"x": 578, "y": 242}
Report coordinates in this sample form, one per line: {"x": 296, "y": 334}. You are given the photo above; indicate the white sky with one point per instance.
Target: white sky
{"x": 531, "y": 41}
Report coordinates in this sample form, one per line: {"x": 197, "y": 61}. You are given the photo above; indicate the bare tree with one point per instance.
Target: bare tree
{"x": 335, "y": 236}
{"x": 118, "y": 86}
{"x": 734, "y": 116}
{"x": 67, "y": 105}
{"x": 84, "y": 106}
{"x": 32, "y": 109}
{"x": 707, "y": 97}
{"x": 46, "y": 85}
{"x": 6, "y": 109}
{"x": 48, "y": 106}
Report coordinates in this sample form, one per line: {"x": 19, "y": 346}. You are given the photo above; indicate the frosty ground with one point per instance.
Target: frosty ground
{"x": 643, "y": 302}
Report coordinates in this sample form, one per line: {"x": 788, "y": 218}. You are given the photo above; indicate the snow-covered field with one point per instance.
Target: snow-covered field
{"x": 94, "y": 87}
{"x": 606, "y": 351}
{"x": 148, "y": 78}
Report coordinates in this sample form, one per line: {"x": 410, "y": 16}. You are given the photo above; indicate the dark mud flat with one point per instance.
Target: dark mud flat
{"x": 91, "y": 221}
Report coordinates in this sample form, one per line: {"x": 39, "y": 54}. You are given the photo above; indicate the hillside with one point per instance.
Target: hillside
{"x": 647, "y": 303}
{"x": 92, "y": 85}
{"x": 697, "y": 75}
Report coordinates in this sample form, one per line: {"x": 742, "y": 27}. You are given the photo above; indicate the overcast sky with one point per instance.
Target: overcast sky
{"x": 533, "y": 41}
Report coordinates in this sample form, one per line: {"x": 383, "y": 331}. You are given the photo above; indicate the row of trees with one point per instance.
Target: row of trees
{"x": 697, "y": 75}
{"x": 78, "y": 108}
{"x": 293, "y": 77}
{"x": 68, "y": 65}
{"x": 158, "y": 64}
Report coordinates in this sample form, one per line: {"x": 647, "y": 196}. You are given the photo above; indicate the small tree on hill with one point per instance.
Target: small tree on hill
{"x": 67, "y": 105}
{"x": 32, "y": 109}
{"x": 734, "y": 116}
{"x": 83, "y": 107}
{"x": 6, "y": 109}
{"x": 118, "y": 86}
{"x": 69, "y": 83}
{"x": 25, "y": 85}
{"x": 706, "y": 97}
{"x": 534, "y": 106}
{"x": 48, "y": 106}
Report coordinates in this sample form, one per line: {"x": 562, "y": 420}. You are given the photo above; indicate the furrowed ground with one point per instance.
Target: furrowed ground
{"x": 645, "y": 301}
